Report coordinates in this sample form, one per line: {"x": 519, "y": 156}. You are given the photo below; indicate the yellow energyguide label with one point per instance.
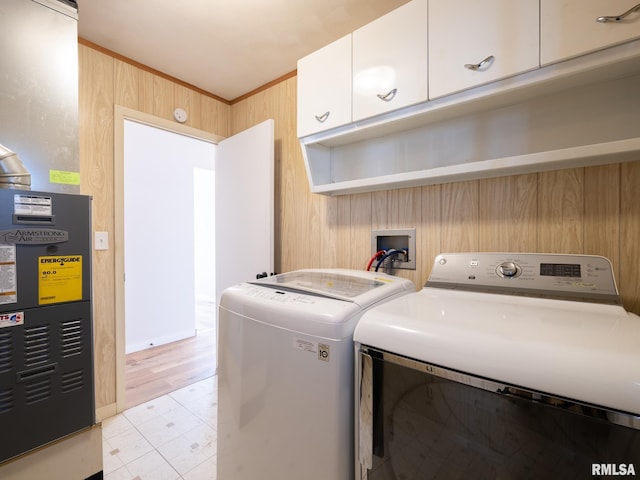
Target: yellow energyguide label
{"x": 59, "y": 279}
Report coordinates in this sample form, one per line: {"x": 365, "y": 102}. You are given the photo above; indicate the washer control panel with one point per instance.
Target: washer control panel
{"x": 539, "y": 274}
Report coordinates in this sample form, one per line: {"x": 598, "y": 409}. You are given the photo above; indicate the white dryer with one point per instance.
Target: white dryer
{"x": 285, "y": 372}
{"x": 506, "y": 365}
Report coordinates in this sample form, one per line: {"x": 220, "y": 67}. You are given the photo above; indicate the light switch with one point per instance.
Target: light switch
{"x": 101, "y": 241}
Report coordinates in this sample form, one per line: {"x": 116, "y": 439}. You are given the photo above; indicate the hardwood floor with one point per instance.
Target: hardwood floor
{"x": 163, "y": 369}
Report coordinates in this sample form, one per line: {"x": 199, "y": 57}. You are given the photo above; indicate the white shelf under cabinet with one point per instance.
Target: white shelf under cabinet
{"x": 582, "y": 112}
{"x": 587, "y": 155}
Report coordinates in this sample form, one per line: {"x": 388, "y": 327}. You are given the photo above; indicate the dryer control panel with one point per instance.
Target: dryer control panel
{"x": 572, "y": 277}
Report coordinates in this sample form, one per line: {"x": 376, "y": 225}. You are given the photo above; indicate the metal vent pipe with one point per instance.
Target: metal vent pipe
{"x": 13, "y": 173}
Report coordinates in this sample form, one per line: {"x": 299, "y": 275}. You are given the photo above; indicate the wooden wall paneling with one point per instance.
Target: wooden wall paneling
{"x": 96, "y": 97}
{"x": 291, "y": 211}
{"x": 602, "y": 213}
{"x": 258, "y": 107}
{"x": 146, "y": 92}
{"x": 404, "y": 207}
{"x": 460, "y": 217}
{"x": 328, "y": 233}
{"x": 379, "y": 210}
{"x": 311, "y": 227}
{"x": 126, "y": 84}
{"x": 289, "y": 175}
{"x": 341, "y": 220}
{"x": 255, "y": 110}
{"x": 297, "y": 213}
{"x": 290, "y": 187}
{"x": 239, "y": 117}
{"x": 560, "y": 211}
{"x": 288, "y": 154}
{"x": 630, "y": 236}
{"x": 273, "y": 104}
{"x": 286, "y": 102}
{"x": 360, "y": 230}
{"x": 163, "y": 97}
{"x": 508, "y": 214}
{"x": 429, "y": 232}
{"x": 287, "y": 146}
{"x": 215, "y": 116}
{"x": 307, "y": 224}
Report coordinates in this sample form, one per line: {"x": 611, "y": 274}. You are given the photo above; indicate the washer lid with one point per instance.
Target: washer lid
{"x": 323, "y": 302}
{"x": 361, "y": 287}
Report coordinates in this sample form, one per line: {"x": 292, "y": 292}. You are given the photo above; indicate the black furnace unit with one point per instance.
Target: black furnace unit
{"x": 46, "y": 334}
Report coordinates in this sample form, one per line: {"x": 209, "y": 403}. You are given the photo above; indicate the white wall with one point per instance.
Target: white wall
{"x": 159, "y": 233}
{"x": 204, "y": 245}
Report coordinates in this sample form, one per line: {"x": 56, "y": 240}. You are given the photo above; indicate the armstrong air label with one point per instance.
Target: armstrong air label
{"x": 12, "y": 319}
{"x": 33, "y": 236}
{"x": 59, "y": 279}
{"x": 8, "y": 277}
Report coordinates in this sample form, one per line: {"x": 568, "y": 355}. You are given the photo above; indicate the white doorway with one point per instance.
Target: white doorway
{"x": 169, "y": 219}
{"x": 244, "y": 212}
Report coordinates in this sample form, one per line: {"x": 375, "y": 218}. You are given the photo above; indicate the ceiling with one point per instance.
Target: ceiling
{"x": 227, "y": 48}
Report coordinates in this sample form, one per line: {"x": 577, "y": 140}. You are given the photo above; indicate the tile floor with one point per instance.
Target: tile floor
{"x": 170, "y": 438}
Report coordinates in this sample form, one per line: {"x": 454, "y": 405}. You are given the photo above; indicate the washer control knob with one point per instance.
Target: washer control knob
{"x": 508, "y": 269}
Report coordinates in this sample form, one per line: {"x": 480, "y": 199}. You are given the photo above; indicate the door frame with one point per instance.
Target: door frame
{"x": 120, "y": 115}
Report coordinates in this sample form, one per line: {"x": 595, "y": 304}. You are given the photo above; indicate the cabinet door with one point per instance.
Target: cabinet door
{"x": 570, "y": 28}
{"x": 472, "y": 43}
{"x": 390, "y": 61}
{"x": 324, "y": 88}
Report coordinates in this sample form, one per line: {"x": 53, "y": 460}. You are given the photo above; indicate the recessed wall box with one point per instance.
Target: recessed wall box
{"x": 399, "y": 239}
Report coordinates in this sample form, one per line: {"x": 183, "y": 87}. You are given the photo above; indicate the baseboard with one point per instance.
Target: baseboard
{"x": 159, "y": 340}
{"x": 106, "y": 412}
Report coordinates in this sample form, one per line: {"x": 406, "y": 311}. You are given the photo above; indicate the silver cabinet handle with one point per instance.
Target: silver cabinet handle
{"x": 322, "y": 117}
{"x": 618, "y": 18}
{"x": 478, "y": 66}
{"x": 389, "y": 96}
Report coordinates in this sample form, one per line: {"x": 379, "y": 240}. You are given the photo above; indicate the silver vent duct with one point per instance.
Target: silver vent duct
{"x": 13, "y": 173}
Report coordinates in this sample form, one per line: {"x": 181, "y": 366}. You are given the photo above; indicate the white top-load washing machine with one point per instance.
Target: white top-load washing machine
{"x": 285, "y": 372}
{"x": 506, "y": 365}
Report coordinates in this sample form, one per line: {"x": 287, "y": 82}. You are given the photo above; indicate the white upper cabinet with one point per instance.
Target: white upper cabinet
{"x": 324, "y": 88}
{"x": 514, "y": 87}
{"x": 574, "y": 27}
{"x": 476, "y": 42}
{"x": 390, "y": 61}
